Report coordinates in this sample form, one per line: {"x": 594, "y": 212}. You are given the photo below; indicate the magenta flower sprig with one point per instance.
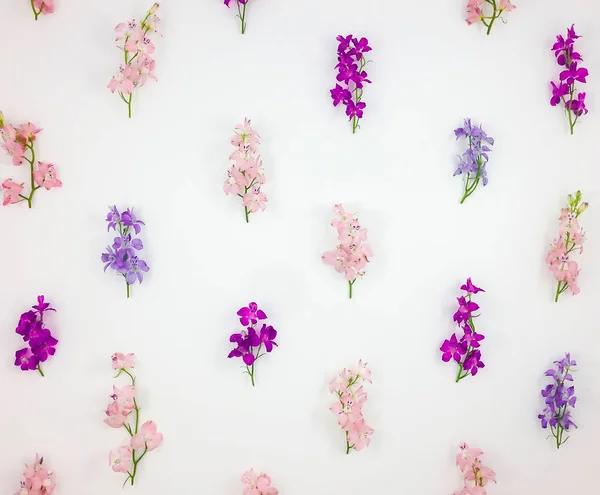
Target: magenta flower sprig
{"x": 465, "y": 352}
{"x": 257, "y": 484}
{"x": 19, "y": 143}
{"x": 143, "y": 439}
{"x": 487, "y": 11}
{"x": 251, "y": 343}
{"x": 351, "y": 73}
{"x": 38, "y": 337}
{"x": 475, "y": 475}
{"x": 37, "y": 479}
{"x": 138, "y": 48}
{"x": 564, "y": 91}
{"x": 352, "y": 254}
{"x": 246, "y": 175}
{"x": 570, "y": 240}
{"x": 559, "y": 399}
{"x": 241, "y": 8}
{"x": 42, "y": 7}
{"x": 351, "y": 397}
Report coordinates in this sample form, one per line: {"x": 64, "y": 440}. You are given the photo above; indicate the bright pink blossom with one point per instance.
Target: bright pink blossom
{"x": 11, "y": 191}
{"x": 45, "y": 175}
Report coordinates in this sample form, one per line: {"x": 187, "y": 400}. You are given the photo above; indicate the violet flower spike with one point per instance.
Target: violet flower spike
{"x": 123, "y": 256}
{"x": 559, "y": 399}
{"x": 351, "y": 73}
{"x": 251, "y": 344}
{"x": 564, "y": 90}
{"x": 465, "y": 351}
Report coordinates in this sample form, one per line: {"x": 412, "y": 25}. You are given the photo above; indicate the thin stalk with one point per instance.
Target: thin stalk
{"x": 35, "y": 12}
{"x": 348, "y": 447}
{"x": 128, "y": 290}
{"x": 350, "y": 284}
{"x": 39, "y": 368}
{"x": 242, "y": 16}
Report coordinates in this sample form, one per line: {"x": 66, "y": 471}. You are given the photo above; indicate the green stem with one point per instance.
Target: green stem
{"x": 558, "y": 292}
{"x": 35, "y": 12}
{"x": 135, "y": 464}
{"x": 129, "y": 104}
{"x": 242, "y": 16}
{"x": 128, "y": 291}
{"x": 571, "y": 123}
{"x": 350, "y": 284}
{"x": 348, "y": 447}
{"x": 247, "y": 214}
{"x": 31, "y": 164}
{"x": 494, "y": 17}
{"x": 39, "y": 368}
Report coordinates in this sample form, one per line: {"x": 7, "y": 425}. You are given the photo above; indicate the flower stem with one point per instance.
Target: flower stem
{"x": 35, "y": 12}
{"x": 242, "y": 16}
{"x": 129, "y": 104}
{"x": 557, "y": 292}
{"x": 350, "y": 284}
{"x": 348, "y": 447}
{"x": 128, "y": 290}
{"x": 39, "y": 368}
{"x": 494, "y": 17}
{"x": 247, "y": 214}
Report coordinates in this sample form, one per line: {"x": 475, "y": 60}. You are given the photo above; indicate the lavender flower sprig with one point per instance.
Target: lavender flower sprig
{"x": 565, "y": 90}
{"x": 559, "y": 399}
{"x": 122, "y": 256}
{"x": 465, "y": 351}
{"x": 474, "y": 160}
{"x": 351, "y": 73}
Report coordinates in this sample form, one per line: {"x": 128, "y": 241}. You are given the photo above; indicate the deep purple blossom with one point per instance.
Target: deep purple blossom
{"x": 26, "y": 360}
{"x": 267, "y": 337}
{"x": 452, "y": 349}
{"x": 470, "y": 288}
{"x": 251, "y": 314}
{"x": 465, "y": 309}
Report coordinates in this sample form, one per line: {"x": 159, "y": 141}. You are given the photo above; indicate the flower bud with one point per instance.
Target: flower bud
{"x": 154, "y": 9}
{"x": 1, "y": 119}
{"x": 582, "y": 208}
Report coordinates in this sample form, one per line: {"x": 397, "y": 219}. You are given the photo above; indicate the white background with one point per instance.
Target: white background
{"x": 430, "y": 70}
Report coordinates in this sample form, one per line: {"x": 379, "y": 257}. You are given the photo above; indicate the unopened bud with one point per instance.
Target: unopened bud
{"x": 154, "y": 8}
{"x": 582, "y": 208}
{"x": 1, "y": 119}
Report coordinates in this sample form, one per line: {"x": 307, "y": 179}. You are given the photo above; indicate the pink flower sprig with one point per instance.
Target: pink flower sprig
{"x": 138, "y": 49}
{"x": 476, "y": 476}
{"x": 143, "y": 439}
{"x": 18, "y": 142}
{"x": 570, "y": 240}
{"x": 257, "y": 484}
{"x": 241, "y": 7}
{"x": 477, "y": 10}
{"x": 246, "y": 175}
{"x": 351, "y": 397}
{"x": 37, "y": 479}
{"x": 42, "y": 7}
{"x": 352, "y": 253}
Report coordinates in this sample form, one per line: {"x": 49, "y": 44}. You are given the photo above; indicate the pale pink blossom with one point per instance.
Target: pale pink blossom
{"x": 120, "y": 460}
{"x": 116, "y": 417}
{"x": 45, "y": 175}
{"x": 235, "y": 181}
{"x": 123, "y": 361}
{"x": 43, "y": 6}
{"x": 257, "y": 484}
{"x": 11, "y": 191}
{"x": 148, "y": 437}
{"x": 487, "y": 12}
{"x": 37, "y": 479}
{"x": 124, "y": 396}
{"x": 123, "y": 82}
{"x": 254, "y": 200}
{"x": 475, "y": 475}
{"x": 466, "y": 456}
{"x": 359, "y": 435}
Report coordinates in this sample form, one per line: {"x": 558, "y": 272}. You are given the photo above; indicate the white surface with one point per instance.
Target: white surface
{"x": 170, "y": 160}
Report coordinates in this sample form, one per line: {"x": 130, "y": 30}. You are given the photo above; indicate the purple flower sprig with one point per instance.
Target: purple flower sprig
{"x": 38, "y": 337}
{"x": 241, "y": 7}
{"x": 122, "y": 256}
{"x": 474, "y": 160}
{"x": 564, "y": 91}
{"x": 252, "y": 344}
{"x": 465, "y": 352}
{"x": 559, "y": 399}
{"x": 351, "y": 77}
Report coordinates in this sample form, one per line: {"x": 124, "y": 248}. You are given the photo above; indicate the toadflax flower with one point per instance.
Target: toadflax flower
{"x": 123, "y": 256}
{"x": 246, "y": 175}
{"x": 570, "y": 240}
{"x": 564, "y": 90}
{"x": 138, "y": 50}
{"x": 252, "y": 343}
{"x": 19, "y": 143}
{"x": 487, "y": 11}
{"x": 351, "y": 397}
{"x": 41, "y": 343}
{"x": 352, "y": 253}
{"x": 475, "y": 475}
{"x": 559, "y": 399}
{"x": 257, "y": 484}
{"x": 37, "y": 479}
{"x": 465, "y": 351}
{"x": 351, "y": 77}
{"x": 241, "y": 8}
{"x": 124, "y": 412}
{"x": 473, "y": 161}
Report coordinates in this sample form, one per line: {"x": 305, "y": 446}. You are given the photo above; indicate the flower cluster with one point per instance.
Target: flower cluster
{"x": 570, "y": 239}
{"x": 559, "y": 399}
{"x": 475, "y": 474}
{"x": 352, "y": 253}
{"x": 246, "y": 175}
{"x": 241, "y": 8}
{"x": 477, "y": 10}
{"x": 122, "y": 256}
{"x": 37, "y": 479}
{"x": 473, "y": 161}
{"x": 465, "y": 351}
{"x": 257, "y": 484}
{"x": 42, "y": 7}
{"x": 41, "y": 343}
{"x": 143, "y": 439}
{"x": 251, "y": 344}
{"x": 18, "y": 142}
{"x": 351, "y": 73}
{"x": 564, "y": 91}
{"x": 138, "y": 49}
{"x": 351, "y": 397}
